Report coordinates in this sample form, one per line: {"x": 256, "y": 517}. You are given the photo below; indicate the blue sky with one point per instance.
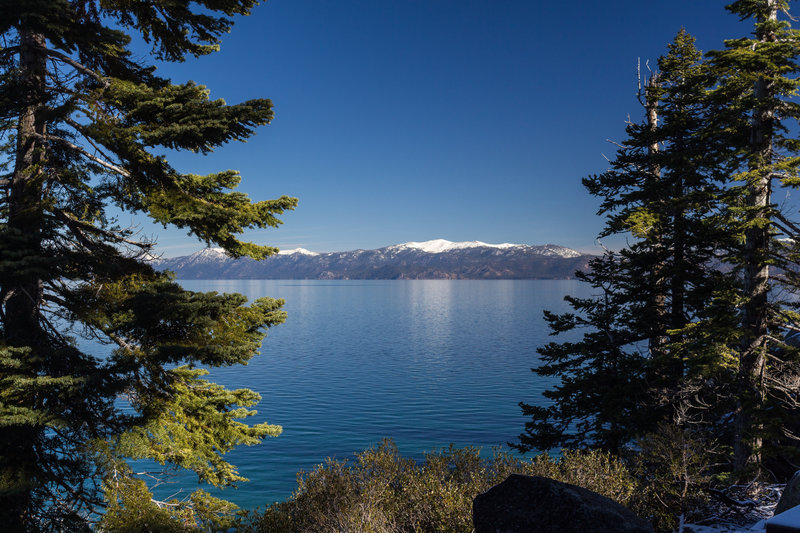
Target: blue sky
{"x": 410, "y": 120}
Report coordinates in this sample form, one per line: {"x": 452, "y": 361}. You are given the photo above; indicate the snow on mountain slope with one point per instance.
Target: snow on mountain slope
{"x": 438, "y": 246}
{"x": 208, "y": 255}
{"x": 559, "y": 251}
{"x": 301, "y": 251}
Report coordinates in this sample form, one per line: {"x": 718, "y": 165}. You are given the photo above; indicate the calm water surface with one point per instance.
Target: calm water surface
{"x": 427, "y": 363}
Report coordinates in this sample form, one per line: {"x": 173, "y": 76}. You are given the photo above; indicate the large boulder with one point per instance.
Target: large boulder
{"x": 529, "y": 504}
{"x": 791, "y": 494}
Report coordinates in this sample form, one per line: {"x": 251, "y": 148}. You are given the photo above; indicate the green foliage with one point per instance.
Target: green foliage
{"x": 194, "y": 426}
{"x": 84, "y": 125}
{"x": 755, "y": 109}
{"x": 131, "y": 509}
{"x": 382, "y": 492}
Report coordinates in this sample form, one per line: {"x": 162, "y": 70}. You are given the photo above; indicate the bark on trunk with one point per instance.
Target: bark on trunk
{"x": 23, "y": 288}
{"x": 747, "y": 443}
{"x": 678, "y": 274}
{"x": 658, "y": 340}
{"x": 25, "y": 195}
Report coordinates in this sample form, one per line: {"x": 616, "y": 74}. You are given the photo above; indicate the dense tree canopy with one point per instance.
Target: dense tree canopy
{"x": 84, "y": 126}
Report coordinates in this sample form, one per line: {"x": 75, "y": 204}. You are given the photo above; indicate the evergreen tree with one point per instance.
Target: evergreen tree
{"x": 693, "y": 187}
{"x": 82, "y": 121}
{"x": 651, "y": 348}
{"x": 757, "y": 80}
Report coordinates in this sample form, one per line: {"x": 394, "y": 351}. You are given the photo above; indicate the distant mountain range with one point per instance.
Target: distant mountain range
{"x": 437, "y": 259}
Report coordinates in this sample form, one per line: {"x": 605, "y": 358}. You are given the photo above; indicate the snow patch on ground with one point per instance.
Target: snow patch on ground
{"x": 724, "y": 528}
{"x": 738, "y": 509}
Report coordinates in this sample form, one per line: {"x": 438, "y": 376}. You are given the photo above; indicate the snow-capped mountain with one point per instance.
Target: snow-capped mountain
{"x": 301, "y": 251}
{"x": 438, "y": 246}
{"x": 436, "y": 259}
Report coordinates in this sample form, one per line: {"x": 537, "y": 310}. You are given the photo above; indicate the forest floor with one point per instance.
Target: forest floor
{"x": 739, "y": 509}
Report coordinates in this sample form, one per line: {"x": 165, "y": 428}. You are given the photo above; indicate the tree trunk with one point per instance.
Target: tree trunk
{"x": 658, "y": 340}
{"x": 23, "y": 287}
{"x": 678, "y": 275}
{"x": 755, "y": 282}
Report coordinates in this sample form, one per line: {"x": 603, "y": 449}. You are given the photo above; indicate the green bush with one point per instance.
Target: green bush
{"x": 382, "y": 492}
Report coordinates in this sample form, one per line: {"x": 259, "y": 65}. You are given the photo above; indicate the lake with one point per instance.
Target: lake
{"x": 427, "y": 363}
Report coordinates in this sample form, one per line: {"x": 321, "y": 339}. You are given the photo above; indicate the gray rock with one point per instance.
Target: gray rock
{"x": 791, "y": 494}
{"x": 529, "y": 504}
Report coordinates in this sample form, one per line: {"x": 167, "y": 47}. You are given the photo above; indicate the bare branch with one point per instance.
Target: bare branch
{"x": 618, "y": 145}
{"x": 120, "y": 341}
{"x": 86, "y": 70}
{"x": 72, "y": 220}
{"x": 786, "y": 221}
{"x": 8, "y": 51}
{"x": 83, "y": 133}
{"x": 75, "y": 147}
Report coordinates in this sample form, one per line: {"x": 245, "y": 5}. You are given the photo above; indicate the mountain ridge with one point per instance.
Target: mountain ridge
{"x": 435, "y": 259}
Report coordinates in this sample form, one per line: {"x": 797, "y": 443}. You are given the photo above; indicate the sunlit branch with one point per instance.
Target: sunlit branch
{"x": 88, "y": 139}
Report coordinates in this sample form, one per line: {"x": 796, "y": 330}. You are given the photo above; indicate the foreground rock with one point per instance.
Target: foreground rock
{"x": 528, "y": 504}
{"x": 791, "y": 494}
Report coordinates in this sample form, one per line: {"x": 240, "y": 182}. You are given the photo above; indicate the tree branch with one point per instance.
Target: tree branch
{"x": 75, "y": 147}
{"x": 8, "y": 51}
{"x": 71, "y": 220}
{"x": 786, "y": 221}
{"x": 77, "y": 66}
{"x": 83, "y": 133}
{"x": 121, "y": 342}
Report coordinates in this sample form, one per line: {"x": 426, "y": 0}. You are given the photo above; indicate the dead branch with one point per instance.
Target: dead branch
{"x": 78, "y": 66}
{"x": 82, "y": 151}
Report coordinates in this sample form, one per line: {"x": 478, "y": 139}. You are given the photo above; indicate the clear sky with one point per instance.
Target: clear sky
{"x": 411, "y": 120}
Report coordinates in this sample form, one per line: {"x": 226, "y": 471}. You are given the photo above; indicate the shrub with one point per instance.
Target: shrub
{"x": 673, "y": 473}
{"x": 382, "y": 492}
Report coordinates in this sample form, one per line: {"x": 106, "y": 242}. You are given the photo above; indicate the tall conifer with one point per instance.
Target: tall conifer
{"x": 642, "y": 356}
{"x": 752, "y": 105}
{"x": 82, "y": 122}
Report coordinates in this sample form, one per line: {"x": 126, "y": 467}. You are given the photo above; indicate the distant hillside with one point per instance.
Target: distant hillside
{"x": 438, "y": 259}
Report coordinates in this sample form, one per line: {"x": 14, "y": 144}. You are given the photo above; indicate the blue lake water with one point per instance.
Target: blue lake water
{"x": 427, "y": 363}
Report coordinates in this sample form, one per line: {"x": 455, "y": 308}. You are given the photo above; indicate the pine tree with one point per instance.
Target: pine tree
{"x": 757, "y": 80}
{"x": 82, "y": 121}
{"x": 651, "y": 348}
